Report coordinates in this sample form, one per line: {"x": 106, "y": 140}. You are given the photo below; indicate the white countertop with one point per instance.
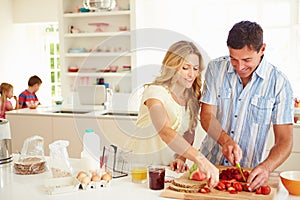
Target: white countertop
{"x": 88, "y": 111}
{"x": 18, "y": 187}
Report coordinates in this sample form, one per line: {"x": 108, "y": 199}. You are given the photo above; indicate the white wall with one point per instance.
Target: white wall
{"x": 156, "y": 32}
{"x": 21, "y": 53}
{"x": 26, "y": 11}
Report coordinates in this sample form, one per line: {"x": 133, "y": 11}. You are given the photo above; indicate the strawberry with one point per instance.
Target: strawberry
{"x": 238, "y": 186}
{"x": 265, "y": 189}
{"x": 207, "y": 189}
{"x": 228, "y": 185}
{"x": 258, "y": 191}
{"x": 231, "y": 188}
{"x": 233, "y": 192}
{"x": 221, "y": 186}
{"x": 203, "y": 190}
{"x": 246, "y": 187}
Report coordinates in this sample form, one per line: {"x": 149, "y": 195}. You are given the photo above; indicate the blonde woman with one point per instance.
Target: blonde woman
{"x": 6, "y": 91}
{"x": 169, "y": 111}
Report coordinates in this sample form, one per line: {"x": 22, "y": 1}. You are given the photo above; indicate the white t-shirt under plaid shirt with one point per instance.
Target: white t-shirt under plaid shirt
{"x": 246, "y": 113}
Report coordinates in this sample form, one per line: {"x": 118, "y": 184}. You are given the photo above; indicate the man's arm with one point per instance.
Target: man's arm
{"x": 283, "y": 144}
{"x": 212, "y": 126}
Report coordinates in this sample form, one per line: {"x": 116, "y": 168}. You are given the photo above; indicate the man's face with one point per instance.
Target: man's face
{"x": 245, "y": 61}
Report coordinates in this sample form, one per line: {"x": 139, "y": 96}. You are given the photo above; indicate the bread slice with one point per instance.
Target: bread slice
{"x": 182, "y": 189}
{"x": 186, "y": 183}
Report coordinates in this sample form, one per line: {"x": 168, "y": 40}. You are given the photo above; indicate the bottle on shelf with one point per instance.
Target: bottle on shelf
{"x": 90, "y": 154}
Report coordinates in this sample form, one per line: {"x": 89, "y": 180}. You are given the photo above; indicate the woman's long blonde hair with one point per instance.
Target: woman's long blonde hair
{"x": 4, "y": 87}
{"x": 174, "y": 60}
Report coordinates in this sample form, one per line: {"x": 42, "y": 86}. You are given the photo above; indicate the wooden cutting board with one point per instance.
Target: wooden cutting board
{"x": 216, "y": 194}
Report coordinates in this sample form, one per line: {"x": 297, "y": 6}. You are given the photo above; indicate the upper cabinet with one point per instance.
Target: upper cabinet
{"x": 96, "y": 45}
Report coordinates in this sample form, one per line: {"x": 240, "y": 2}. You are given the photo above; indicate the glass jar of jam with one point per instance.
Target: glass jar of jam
{"x": 156, "y": 178}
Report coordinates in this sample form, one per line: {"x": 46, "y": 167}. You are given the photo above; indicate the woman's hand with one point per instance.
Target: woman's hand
{"x": 178, "y": 165}
{"x": 210, "y": 171}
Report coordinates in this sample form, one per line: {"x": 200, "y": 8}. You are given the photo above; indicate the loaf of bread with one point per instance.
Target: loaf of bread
{"x": 184, "y": 184}
{"x": 30, "y": 165}
{"x": 183, "y": 189}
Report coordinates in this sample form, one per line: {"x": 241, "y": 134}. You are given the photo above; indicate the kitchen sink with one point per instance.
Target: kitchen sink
{"x": 70, "y": 112}
{"x": 120, "y": 114}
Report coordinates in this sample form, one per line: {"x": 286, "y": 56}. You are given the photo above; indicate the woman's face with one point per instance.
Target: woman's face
{"x": 187, "y": 74}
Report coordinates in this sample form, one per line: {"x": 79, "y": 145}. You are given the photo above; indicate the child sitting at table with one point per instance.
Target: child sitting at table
{"x": 29, "y": 95}
{"x": 6, "y": 91}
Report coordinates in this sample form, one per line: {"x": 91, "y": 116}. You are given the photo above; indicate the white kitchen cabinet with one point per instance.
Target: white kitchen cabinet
{"x": 93, "y": 48}
{"x": 23, "y": 127}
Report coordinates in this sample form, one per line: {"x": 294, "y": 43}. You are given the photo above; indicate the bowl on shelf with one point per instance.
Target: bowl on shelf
{"x": 73, "y": 69}
{"x": 104, "y": 70}
{"x": 291, "y": 181}
{"x": 113, "y": 68}
{"x": 77, "y": 50}
{"x": 122, "y": 28}
{"x": 32, "y": 104}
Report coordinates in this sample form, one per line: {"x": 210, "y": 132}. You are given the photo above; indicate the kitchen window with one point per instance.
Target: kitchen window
{"x": 53, "y": 59}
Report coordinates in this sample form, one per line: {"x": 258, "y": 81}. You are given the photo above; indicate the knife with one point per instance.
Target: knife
{"x": 241, "y": 171}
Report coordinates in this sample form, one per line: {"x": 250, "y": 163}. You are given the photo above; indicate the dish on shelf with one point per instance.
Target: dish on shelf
{"x": 104, "y": 70}
{"x": 77, "y": 50}
{"x": 99, "y": 26}
{"x": 126, "y": 68}
{"x": 122, "y": 28}
{"x": 73, "y": 69}
{"x": 113, "y": 68}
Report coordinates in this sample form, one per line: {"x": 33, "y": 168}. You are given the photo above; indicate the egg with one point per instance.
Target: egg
{"x": 106, "y": 177}
{"x": 81, "y": 175}
{"x": 93, "y": 173}
{"x": 85, "y": 180}
{"x": 96, "y": 178}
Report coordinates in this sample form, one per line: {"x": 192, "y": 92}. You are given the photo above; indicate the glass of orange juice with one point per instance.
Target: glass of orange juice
{"x": 139, "y": 174}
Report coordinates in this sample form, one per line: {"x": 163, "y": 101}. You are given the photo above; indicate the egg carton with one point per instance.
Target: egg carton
{"x": 61, "y": 185}
{"x": 94, "y": 185}
{"x": 87, "y": 182}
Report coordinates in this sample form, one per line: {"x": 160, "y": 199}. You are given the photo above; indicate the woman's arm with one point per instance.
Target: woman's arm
{"x": 177, "y": 143}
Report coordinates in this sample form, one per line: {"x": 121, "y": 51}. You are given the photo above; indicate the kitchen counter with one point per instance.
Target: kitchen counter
{"x": 88, "y": 111}
{"x": 17, "y": 187}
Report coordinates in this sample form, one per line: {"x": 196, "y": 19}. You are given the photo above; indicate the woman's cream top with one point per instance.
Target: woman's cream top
{"x": 146, "y": 145}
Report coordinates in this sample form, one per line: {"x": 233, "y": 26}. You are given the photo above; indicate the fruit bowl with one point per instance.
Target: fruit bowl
{"x": 291, "y": 181}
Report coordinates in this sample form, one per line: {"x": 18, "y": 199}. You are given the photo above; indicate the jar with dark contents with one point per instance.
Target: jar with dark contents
{"x": 156, "y": 178}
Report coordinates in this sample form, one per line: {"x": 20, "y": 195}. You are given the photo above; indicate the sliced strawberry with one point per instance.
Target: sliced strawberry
{"x": 203, "y": 190}
{"x": 221, "y": 186}
{"x": 228, "y": 185}
{"x": 246, "y": 187}
{"x": 231, "y": 189}
{"x": 207, "y": 189}
{"x": 258, "y": 191}
{"x": 233, "y": 192}
{"x": 238, "y": 186}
